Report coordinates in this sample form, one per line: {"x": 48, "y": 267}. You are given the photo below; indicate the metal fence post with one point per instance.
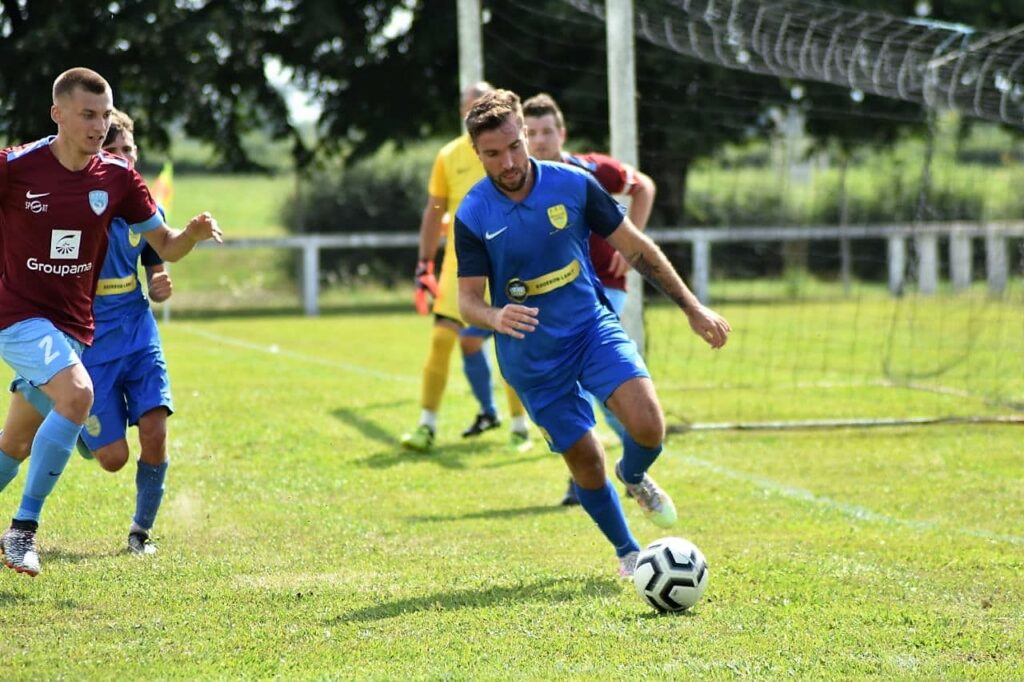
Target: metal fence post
{"x": 897, "y": 264}
{"x": 996, "y": 263}
{"x": 311, "y": 276}
{"x": 702, "y": 267}
{"x": 927, "y": 263}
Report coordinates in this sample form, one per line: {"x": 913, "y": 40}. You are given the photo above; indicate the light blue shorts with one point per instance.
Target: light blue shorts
{"x": 37, "y": 350}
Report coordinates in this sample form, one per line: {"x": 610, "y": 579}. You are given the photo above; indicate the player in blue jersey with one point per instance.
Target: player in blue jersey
{"x": 525, "y": 230}
{"x": 126, "y": 361}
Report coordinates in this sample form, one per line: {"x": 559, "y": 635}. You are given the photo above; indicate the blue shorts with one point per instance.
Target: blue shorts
{"x": 37, "y": 350}
{"x": 126, "y": 389}
{"x": 476, "y": 331}
{"x": 560, "y": 408}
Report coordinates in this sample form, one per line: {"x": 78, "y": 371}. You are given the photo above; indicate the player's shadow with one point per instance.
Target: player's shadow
{"x": 449, "y": 455}
{"x": 511, "y": 513}
{"x": 356, "y": 418}
{"x": 12, "y": 599}
{"x": 550, "y": 591}
{"x": 65, "y": 557}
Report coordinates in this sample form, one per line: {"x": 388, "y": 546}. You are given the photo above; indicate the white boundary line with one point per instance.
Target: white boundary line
{"x": 853, "y": 511}
{"x": 275, "y": 350}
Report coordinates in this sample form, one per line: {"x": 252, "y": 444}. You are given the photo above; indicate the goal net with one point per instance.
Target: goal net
{"x": 879, "y": 285}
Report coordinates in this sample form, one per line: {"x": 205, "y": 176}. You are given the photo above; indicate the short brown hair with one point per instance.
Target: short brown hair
{"x": 79, "y": 77}
{"x": 543, "y": 104}
{"x": 491, "y": 110}
{"x": 120, "y": 122}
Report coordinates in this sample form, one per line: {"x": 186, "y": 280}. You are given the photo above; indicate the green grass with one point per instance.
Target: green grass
{"x": 245, "y": 207}
{"x": 297, "y": 540}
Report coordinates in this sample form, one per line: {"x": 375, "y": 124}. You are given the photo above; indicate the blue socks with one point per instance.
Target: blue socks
{"x": 149, "y": 484}
{"x": 604, "y": 508}
{"x": 51, "y": 450}
{"x": 478, "y": 371}
{"x": 8, "y": 469}
{"x": 636, "y": 459}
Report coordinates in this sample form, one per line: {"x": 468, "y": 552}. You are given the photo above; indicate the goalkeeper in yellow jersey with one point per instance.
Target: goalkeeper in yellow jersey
{"x": 456, "y": 169}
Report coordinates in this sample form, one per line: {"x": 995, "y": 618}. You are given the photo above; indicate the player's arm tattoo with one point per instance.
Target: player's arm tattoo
{"x": 659, "y": 272}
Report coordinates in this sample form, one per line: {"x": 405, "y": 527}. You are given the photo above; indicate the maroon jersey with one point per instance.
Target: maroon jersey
{"x": 616, "y": 178}
{"x": 53, "y": 228}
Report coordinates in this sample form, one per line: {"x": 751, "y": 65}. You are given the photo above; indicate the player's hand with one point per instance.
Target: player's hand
{"x": 160, "y": 287}
{"x": 709, "y": 325}
{"x": 204, "y": 226}
{"x": 619, "y": 266}
{"x": 515, "y": 320}
{"x": 426, "y": 284}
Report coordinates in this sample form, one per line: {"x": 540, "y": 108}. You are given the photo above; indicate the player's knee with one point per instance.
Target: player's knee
{"x": 590, "y": 475}
{"x": 112, "y": 457}
{"x": 471, "y": 345}
{"x": 74, "y": 402}
{"x": 18, "y": 449}
{"x": 153, "y": 436}
{"x": 649, "y": 431}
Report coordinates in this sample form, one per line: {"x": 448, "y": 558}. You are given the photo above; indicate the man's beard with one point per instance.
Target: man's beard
{"x": 512, "y": 188}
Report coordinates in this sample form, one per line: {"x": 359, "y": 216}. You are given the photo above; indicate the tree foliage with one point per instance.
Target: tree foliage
{"x": 387, "y": 70}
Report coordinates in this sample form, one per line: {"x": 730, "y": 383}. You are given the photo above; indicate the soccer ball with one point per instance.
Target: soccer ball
{"x": 671, "y": 574}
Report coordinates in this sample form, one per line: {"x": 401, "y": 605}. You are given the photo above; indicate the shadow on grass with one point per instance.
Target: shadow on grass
{"x": 511, "y": 513}
{"x": 12, "y": 599}
{"x": 357, "y": 420}
{"x": 451, "y": 456}
{"x": 551, "y": 591}
{"x": 66, "y": 557}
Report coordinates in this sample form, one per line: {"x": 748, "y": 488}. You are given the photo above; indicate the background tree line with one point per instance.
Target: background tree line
{"x": 385, "y": 71}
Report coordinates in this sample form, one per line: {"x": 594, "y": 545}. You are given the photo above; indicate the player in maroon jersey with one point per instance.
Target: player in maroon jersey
{"x": 545, "y": 132}
{"x": 58, "y": 197}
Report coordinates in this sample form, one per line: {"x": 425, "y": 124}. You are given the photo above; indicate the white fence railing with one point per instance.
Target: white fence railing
{"x": 925, "y": 237}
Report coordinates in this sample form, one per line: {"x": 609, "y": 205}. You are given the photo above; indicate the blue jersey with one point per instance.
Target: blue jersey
{"x": 119, "y": 299}
{"x": 536, "y": 252}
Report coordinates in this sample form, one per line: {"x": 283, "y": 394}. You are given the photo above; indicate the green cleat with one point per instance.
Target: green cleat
{"x": 420, "y": 440}
{"x": 83, "y": 449}
{"x": 520, "y": 442}
{"x": 655, "y": 502}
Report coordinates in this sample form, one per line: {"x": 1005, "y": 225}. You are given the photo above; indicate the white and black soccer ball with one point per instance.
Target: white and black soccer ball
{"x": 671, "y": 574}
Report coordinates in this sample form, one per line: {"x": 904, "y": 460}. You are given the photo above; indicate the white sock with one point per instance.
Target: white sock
{"x": 519, "y": 424}
{"x": 429, "y": 418}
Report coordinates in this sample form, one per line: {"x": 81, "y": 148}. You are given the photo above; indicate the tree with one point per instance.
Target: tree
{"x": 201, "y": 64}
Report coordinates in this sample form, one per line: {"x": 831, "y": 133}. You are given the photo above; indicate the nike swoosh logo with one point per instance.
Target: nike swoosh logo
{"x": 53, "y": 473}
{"x": 492, "y": 235}
{"x": 30, "y": 195}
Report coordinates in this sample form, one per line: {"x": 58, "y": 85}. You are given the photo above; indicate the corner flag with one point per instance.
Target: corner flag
{"x": 162, "y": 188}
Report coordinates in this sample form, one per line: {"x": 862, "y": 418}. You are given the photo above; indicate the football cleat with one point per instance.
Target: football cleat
{"x": 627, "y": 564}
{"x": 519, "y": 442}
{"x": 19, "y": 549}
{"x": 420, "y": 440}
{"x": 483, "y": 422}
{"x": 655, "y": 502}
{"x": 570, "y": 499}
{"x": 83, "y": 449}
{"x": 140, "y": 544}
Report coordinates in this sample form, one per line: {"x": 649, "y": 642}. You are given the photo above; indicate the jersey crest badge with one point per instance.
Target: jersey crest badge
{"x": 134, "y": 238}
{"x": 98, "y": 201}
{"x": 558, "y": 216}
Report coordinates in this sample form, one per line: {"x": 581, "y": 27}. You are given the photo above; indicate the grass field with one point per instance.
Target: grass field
{"x": 297, "y": 540}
